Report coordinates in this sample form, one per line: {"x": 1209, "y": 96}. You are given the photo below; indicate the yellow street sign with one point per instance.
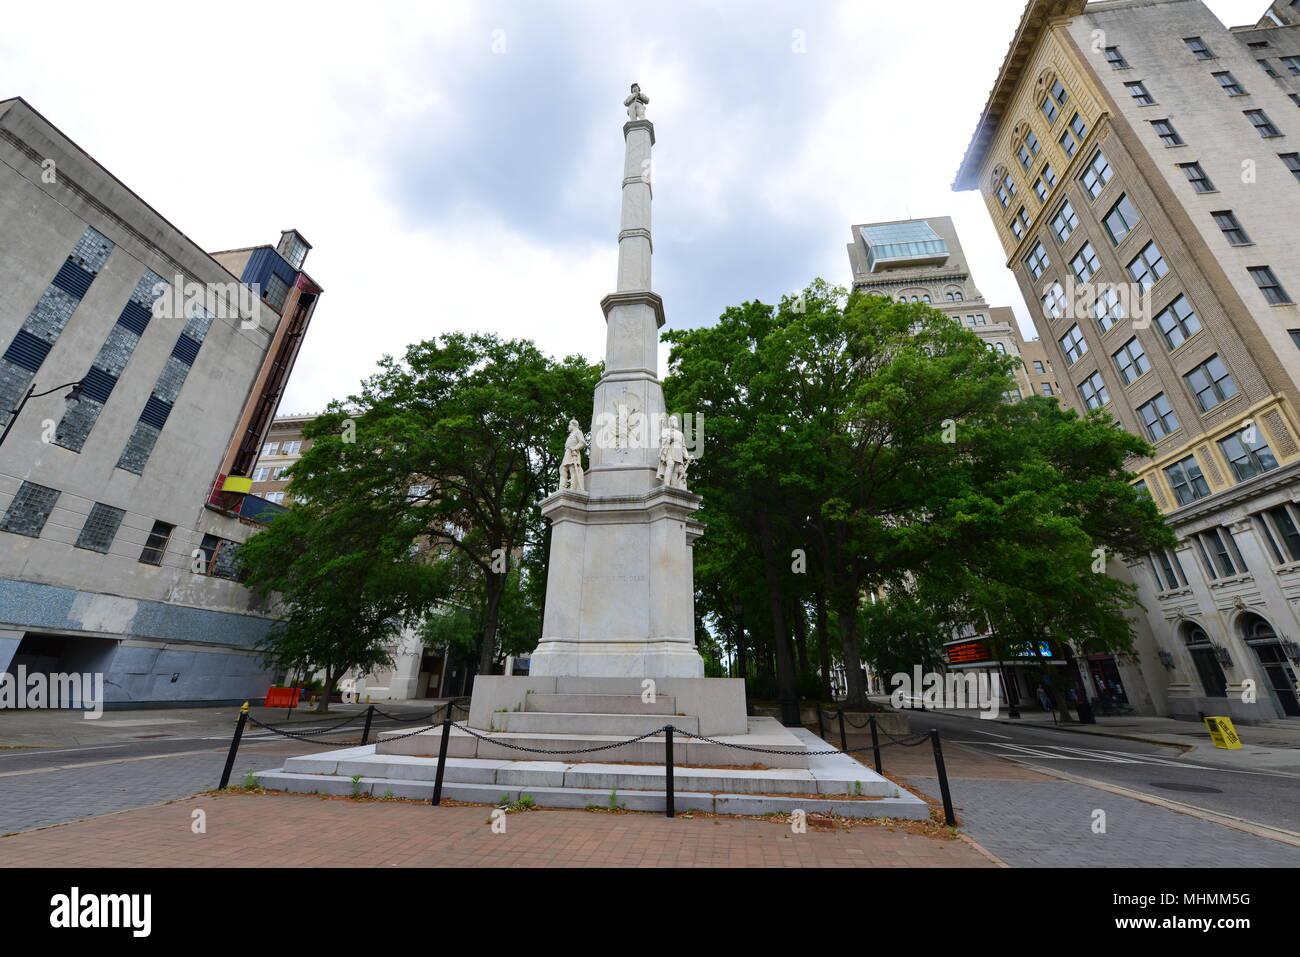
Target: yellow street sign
{"x": 1223, "y": 733}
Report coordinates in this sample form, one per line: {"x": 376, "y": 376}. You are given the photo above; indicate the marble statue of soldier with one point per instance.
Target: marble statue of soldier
{"x": 571, "y": 475}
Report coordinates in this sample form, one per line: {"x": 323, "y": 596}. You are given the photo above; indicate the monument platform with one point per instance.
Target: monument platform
{"x": 534, "y": 736}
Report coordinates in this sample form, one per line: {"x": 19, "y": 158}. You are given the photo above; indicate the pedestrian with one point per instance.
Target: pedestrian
{"x": 1043, "y": 699}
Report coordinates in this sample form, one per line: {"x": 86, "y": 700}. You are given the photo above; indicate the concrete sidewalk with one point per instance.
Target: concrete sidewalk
{"x": 1274, "y": 746}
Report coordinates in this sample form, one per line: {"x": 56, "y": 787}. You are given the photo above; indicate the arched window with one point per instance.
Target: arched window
{"x": 914, "y": 299}
{"x": 925, "y": 298}
{"x": 951, "y": 298}
{"x": 959, "y": 296}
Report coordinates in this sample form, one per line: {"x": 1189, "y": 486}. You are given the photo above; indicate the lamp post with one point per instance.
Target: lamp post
{"x": 71, "y": 397}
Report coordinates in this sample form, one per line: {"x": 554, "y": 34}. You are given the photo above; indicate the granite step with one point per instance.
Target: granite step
{"x": 599, "y": 704}
{"x": 569, "y": 722}
{"x": 905, "y": 806}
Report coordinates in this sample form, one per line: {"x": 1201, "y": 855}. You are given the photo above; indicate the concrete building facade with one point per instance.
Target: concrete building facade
{"x": 1141, "y": 163}
{"x": 121, "y": 508}
{"x": 922, "y": 261}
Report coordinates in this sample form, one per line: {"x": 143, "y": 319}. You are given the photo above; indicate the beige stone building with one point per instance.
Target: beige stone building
{"x": 1141, "y": 162}
{"x": 922, "y": 260}
{"x": 283, "y": 447}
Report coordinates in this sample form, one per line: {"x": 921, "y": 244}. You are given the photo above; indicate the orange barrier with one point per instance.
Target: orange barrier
{"x": 281, "y": 698}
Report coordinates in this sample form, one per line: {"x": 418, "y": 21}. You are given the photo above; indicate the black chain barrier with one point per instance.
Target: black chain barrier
{"x": 668, "y": 731}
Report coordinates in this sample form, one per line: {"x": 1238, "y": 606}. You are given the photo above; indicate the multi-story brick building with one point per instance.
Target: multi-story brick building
{"x": 922, "y": 260}
{"x": 1141, "y": 163}
{"x": 120, "y": 508}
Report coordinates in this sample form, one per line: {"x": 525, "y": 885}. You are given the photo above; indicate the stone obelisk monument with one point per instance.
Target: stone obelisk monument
{"x": 620, "y": 589}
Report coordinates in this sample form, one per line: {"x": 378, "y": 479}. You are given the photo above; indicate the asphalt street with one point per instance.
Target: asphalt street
{"x": 1265, "y": 797}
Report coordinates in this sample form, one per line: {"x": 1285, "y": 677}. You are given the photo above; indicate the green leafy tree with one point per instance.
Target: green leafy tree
{"x": 446, "y": 452}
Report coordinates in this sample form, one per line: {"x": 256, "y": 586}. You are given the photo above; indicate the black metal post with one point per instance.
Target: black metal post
{"x": 365, "y": 732}
{"x": 668, "y": 769}
{"x": 234, "y": 747}
{"x": 949, "y": 818}
{"x": 875, "y": 743}
{"x": 442, "y": 759}
{"x": 844, "y": 738}
{"x": 821, "y": 723}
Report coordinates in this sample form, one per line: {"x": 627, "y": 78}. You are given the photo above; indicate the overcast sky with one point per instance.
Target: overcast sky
{"x": 458, "y": 165}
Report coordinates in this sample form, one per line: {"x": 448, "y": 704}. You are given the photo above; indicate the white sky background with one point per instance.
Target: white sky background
{"x": 446, "y": 186}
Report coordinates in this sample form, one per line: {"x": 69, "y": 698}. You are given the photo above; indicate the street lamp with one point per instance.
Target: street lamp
{"x": 70, "y": 398}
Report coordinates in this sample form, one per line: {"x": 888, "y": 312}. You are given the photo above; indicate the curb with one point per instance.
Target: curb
{"x": 1279, "y": 834}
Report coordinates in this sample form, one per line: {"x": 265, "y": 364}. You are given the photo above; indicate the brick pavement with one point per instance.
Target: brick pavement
{"x": 309, "y": 831}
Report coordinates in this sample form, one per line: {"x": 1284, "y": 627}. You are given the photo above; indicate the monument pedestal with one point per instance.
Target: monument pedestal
{"x": 619, "y": 593}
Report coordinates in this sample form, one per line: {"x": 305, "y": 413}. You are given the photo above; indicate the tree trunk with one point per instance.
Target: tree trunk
{"x": 823, "y": 647}
{"x": 784, "y": 665}
{"x": 323, "y": 703}
{"x": 496, "y": 584}
{"x": 801, "y": 638}
{"x": 854, "y": 679}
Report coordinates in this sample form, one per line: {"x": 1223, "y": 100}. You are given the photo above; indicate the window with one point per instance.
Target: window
{"x": 275, "y": 497}
{"x": 292, "y": 448}
{"x": 1006, "y": 189}
{"x": 1026, "y": 158}
{"x": 1085, "y": 264}
{"x": 1230, "y": 84}
{"x": 1178, "y": 322}
{"x": 1268, "y": 285}
{"x": 1219, "y": 551}
{"x": 1040, "y": 190}
{"x": 1148, "y": 268}
{"x": 1131, "y": 361}
{"x": 1116, "y": 59}
{"x": 1158, "y": 417}
{"x": 1247, "y": 453}
{"x": 416, "y": 492}
{"x": 1039, "y": 368}
{"x": 1049, "y": 110}
{"x": 1169, "y": 570}
{"x": 1292, "y": 64}
{"x": 1210, "y": 383}
{"x": 1168, "y": 135}
{"x": 1055, "y": 302}
{"x": 276, "y": 291}
{"x": 1073, "y": 345}
{"x": 1196, "y": 176}
{"x": 1046, "y": 387}
{"x": 1020, "y": 225}
{"x": 219, "y": 559}
{"x": 1198, "y": 48}
{"x": 1068, "y": 143}
{"x": 155, "y": 546}
{"x": 259, "y": 475}
{"x": 1097, "y": 175}
{"x": 1282, "y": 532}
{"x": 1037, "y": 260}
{"x": 1121, "y": 219}
{"x": 1031, "y": 143}
{"x": 1232, "y": 230}
{"x": 1064, "y": 222}
{"x": 1000, "y": 347}
{"x": 1059, "y": 94}
{"x": 959, "y": 297}
{"x": 1093, "y": 390}
{"x": 1292, "y": 161}
{"x": 1138, "y": 90}
{"x": 1262, "y": 123}
{"x": 101, "y": 527}
{"x": 980, "y": 320}
{"x": 271, "y": 448}
{"x": 1267, "y": 67}
{"x": 277, "y": 474}
{"x": 1107, "y": 309}
{"x": 29, "y": 509}
{"x": 1186, "y": 481}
